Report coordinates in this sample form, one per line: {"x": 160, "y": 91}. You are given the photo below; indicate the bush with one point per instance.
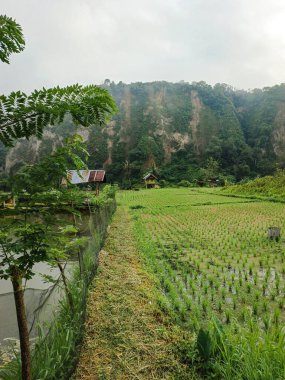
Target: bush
{"x": 184, "y": 183}
{"x": 163, "y": 183}
{"x": 269, "y": 186}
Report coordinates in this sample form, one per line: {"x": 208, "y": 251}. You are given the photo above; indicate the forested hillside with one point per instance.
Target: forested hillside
{"x": 182, "y": 131}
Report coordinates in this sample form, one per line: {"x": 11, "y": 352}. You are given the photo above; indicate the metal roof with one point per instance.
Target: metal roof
{"x": 149, "y": 175}
{"x": 96, "y": 176}
{"x": 86, "y": 176}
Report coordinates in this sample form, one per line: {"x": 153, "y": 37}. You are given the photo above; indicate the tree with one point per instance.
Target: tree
{"x": 25, "y": 242}
{"x": 212, "y": 168}
{"x": 23, "y": 115}
{"x": 209, "y": 172}
{"x": 127, "y": 169}
{"x": 34, "y": 235}
{"x": 11, "y": 38}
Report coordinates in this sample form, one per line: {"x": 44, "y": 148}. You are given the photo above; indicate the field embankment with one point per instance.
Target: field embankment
{"x": 126, "y": 335}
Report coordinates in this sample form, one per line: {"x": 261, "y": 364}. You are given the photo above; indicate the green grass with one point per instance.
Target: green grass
{"x": 126, "y": 336}
{"x": 214, "y": 262}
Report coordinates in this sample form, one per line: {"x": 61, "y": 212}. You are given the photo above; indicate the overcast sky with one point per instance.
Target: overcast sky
{"x": 239, "y": 42}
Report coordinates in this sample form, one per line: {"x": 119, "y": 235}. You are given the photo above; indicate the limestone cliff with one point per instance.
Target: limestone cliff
{"x": 175, "y": 126}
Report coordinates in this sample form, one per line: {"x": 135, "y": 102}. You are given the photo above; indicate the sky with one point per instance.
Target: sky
{"x": 238, "y": 42}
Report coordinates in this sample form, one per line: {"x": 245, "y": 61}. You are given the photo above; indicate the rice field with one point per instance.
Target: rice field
{"x": 212, "y": 257}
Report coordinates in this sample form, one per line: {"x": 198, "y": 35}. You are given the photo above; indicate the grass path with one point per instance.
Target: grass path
{"x": 125, "y": 337}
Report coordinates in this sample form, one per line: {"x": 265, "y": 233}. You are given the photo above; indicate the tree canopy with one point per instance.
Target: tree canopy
{"x": 11, "y": 38}
{"x": 24, "y": 115}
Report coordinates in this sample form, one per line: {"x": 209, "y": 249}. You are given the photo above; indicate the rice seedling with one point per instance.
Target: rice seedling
{"x": 228, "y": 316}
{"x": 255, "y": 308}
{"x": 222, "y": 264}
{"x": 265, "y": 305}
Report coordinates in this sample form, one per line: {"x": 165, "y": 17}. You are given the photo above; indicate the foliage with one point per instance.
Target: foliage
{"x": 55, "y": 353}
{"x": 28, "y": 239}
{"x": 164, "y": 183}
{"x": 184, "y": 183}
{"x": 24, "y": 115}
{"x": 247, "y": 352}
{"x": 31, "y": 238}
{"x": 11, "y": 38}
{"x": 204, "y": 345}
{"x": 48, "y": 173}
{"x": 22, "y": 245}
{"x": 34, "y": 235}
{"x": 269, "y": 186}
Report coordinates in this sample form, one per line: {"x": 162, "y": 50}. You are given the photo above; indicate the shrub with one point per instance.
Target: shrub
{"x": 184, "y": 183}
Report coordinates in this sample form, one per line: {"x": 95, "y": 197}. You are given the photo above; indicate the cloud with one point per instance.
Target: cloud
{"x": 236, "y": 42}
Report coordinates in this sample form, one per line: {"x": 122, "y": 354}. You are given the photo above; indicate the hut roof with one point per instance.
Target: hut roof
{"x": 149, "y": 175}
{"x": 86, "y": 176}
{"x": 97, "y": 176}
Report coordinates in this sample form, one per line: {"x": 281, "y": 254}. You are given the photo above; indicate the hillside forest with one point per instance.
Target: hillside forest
{"x": 180, "y": 131}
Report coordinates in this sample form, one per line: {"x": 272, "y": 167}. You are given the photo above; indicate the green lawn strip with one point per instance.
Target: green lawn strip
{"x": 126, "y": 336}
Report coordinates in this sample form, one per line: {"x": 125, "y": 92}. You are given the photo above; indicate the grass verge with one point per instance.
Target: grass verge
{"x": 126, "y": 336}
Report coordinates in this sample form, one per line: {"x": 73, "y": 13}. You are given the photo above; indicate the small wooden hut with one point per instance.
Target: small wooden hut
{"x": 76, "y": 177}
{"x": 97, "y": 176}
{"x": 213, "y": 182}
{"x": 150, "y": 181}
{"x": 9, "y": 202}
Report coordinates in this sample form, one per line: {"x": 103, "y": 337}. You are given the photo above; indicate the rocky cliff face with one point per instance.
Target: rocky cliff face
{"x": 278, "y": 134}
{"x": 174, "y": 126}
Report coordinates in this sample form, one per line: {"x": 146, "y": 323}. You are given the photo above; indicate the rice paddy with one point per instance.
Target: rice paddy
{"x": 213, "y": 259}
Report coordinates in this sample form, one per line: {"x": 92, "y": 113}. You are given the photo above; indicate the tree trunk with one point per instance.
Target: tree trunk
{"x": 80, "y": 260}
{"x": 67, "y": 291}
{"x": 79, "y": 253}
{"x": 23, "y": 327}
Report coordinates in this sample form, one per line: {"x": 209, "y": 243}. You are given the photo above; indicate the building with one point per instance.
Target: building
{"x": 9, "y": 202}
{"x": 214, "y": 182}
{"x": 150, "y": 181}
{"x": 76, "y": 177}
